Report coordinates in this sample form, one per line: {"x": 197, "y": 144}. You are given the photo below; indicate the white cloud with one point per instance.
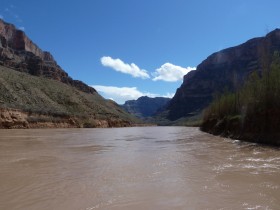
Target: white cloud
{"x": 171, "y": 73}
{"x": 122, "y": 94}
{"x": 21, "y": 28}
{"x": 120, "y": 66}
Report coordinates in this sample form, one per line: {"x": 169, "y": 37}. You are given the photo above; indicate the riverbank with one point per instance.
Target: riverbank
{"x": 239, "y": 128}
{"x": 14, "y": 118}
{"x": 252, "y": 112}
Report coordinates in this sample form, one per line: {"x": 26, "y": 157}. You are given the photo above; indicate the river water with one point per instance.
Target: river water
{"x": 157, "y": 168}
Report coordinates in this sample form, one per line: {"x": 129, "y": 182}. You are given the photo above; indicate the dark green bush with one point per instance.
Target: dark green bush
{"x": 256, "y": 104}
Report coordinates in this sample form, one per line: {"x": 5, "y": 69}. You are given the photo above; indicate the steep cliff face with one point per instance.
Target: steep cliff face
{"x": 222, "y": 70}
{"x": 36, "y": 93}
{"x": 17, "y": 40}
{"x": 145, "y": 106}
{"x": 18, "y": 52}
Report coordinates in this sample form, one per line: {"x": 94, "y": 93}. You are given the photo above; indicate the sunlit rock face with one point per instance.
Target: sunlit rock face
{"x": 18, "y": 52}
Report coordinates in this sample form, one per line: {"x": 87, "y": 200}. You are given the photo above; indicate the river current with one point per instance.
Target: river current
{"x": 156, "y": 168}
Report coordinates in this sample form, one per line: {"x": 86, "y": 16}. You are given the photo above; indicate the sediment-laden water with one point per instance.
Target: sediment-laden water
{"x": 134, "y": 169}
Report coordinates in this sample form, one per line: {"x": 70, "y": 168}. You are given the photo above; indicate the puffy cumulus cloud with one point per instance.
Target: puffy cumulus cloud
{"x": 171, "y": 73}
{"x": 120, "y": 66}
{"x": 122, "y": 94}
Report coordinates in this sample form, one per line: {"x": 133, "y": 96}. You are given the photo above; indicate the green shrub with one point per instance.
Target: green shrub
{"x": 256, "y": 103}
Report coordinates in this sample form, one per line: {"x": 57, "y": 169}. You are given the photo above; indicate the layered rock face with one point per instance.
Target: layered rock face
{"x": 14, "y": 118}
{"x": 145, "y": 106}
{"x": 18, "y": 52}
{"x": 224, "y": 70}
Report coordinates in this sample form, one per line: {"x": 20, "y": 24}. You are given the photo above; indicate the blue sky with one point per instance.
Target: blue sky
{"x": 129, "y": 48}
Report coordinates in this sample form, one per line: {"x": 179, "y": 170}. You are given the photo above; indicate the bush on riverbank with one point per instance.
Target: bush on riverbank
{"x": 253, "y": 112}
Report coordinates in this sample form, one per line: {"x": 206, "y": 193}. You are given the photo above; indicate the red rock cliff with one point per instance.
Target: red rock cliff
{"x": 17, "y": 51}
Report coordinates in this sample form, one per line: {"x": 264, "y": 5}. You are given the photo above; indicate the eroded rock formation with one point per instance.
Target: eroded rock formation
{"x": 18, "y": 52}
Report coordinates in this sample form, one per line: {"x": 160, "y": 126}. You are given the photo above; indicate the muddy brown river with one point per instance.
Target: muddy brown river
{"x": 156, "y": 168}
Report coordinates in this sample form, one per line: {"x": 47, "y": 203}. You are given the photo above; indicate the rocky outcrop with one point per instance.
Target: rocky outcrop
{"x": 17, "y": 40}
{"x": 224, "y": 70}
{"x": 145, "y": 106}
{"x": 14, "y": 118}
{"x": 18, "y": 52}
{"x": 10, "y": 118}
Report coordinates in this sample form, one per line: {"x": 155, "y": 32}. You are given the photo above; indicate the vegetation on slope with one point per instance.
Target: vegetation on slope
{"x": 45, "y": 97}
{"x": 252, "y": 113}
